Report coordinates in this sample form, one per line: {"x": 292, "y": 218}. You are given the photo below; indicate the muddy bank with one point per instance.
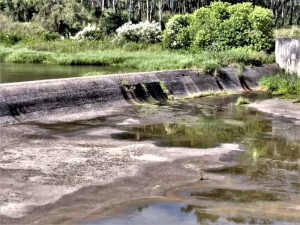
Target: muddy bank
{"x": 27, "y": 101}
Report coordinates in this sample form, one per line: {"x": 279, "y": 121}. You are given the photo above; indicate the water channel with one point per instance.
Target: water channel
{"x": 262, "y": 182}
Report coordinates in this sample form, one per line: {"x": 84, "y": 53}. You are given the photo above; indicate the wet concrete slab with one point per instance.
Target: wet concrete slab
{"x": 45, "y": 178}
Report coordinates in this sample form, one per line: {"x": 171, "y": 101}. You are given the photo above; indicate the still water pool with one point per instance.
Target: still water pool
{"x": 13, "y": 72}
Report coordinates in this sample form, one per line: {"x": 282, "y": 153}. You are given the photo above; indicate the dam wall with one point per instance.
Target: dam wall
{"x": 35, "y": 100}
{"x": 287, "y": 54}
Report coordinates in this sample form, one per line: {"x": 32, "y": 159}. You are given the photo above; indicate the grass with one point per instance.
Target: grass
{"x": 242, "y": 101}
{"x": 210, "y": 94}
{"x": 293, "y": 32}
{"x": 134, "y": 56}
{"x": 282, "y": 84}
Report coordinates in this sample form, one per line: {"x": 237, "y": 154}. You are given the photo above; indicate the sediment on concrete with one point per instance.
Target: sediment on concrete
{"x": 287, "y": 54}
{"x": 33, "y": 100}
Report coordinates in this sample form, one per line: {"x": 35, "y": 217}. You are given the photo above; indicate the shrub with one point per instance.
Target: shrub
{"x": 222, "y": 26}
{"x": 4, "y": 51}
{"x": 50, "y": 36}
{"x": 144, "y": 32}
{"x": 261, "y": 35}
{"x": 90, "y": 32}
{"x": 176, "y": 34}
{"x": 242, "y": 101}
{"x": 13, "y": 32}
{"x": 287, "y": 85}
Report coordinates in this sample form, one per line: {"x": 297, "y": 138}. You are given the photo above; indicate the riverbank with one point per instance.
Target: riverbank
{"x": 134, "y": 56}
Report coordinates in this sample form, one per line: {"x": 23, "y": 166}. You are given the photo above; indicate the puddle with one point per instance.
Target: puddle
{"x": 221, "y": 194}
{"x": 178, "y": 214}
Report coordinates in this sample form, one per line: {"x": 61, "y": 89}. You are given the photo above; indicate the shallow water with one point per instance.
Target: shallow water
{"x": 13, "y": 72}
{"x": 263, "y": 183}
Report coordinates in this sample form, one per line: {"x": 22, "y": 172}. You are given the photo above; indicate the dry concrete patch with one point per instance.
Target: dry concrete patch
{"x": 279, "y": 107}
{"x": 40, "y": 175}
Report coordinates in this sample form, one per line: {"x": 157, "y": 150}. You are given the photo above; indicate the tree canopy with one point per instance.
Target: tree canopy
{"x": 68, "y": 16}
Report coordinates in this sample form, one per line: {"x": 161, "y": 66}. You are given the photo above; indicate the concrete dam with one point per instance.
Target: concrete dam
{"x": 57, "y": 98}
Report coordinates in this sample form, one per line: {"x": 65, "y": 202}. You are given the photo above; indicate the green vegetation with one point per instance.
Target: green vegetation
{"x": 285, "y": 85}
{"x": 242, "y": 101}
{"x": 222, "y": 26}
{"x": 78, "y": 33}
{"x": 210, "y": 93}
{"x": 134, "y": 56}
{"x": 293, "y": 32}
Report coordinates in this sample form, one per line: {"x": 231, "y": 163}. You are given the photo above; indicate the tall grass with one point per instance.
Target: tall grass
{"x": 137, "y": 56}
{"x": 286, "y": 85}
{"x": 26, "y": 56}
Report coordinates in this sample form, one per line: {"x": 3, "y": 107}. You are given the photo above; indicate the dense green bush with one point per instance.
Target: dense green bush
{"x": 222, "y": 26}
{"x": 287, "y": 85}
{"x": 176, "y": 34}
{"x": 13, "y": 32}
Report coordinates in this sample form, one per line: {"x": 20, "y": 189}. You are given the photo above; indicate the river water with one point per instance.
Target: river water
{"x": 261, "y": 185}
{"x": 12, "y": 72}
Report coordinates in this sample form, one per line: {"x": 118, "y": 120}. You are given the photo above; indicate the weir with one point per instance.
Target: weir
{"x": 34, "y": 100}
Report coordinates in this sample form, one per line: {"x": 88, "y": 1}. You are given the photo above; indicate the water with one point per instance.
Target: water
{"x": 10, "y": 72}
{"x": 262, "y": 184}
{"x": 177, "y": 214}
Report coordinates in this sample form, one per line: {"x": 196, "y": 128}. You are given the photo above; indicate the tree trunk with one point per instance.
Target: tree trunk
{"x": 129, "y": 10}
{"x": 160, "y": 11}
{"x": 147, "y": 10}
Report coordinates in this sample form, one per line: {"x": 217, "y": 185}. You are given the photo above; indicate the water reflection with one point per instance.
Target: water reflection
{"x": 269, "y": 170}
{"x": 268, "y": 191}
{"x": 13, "y": 72}
{"x": 178, "y": 214}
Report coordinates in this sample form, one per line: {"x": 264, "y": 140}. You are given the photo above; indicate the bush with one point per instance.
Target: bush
{"x": 90, "y": 32}
{"x": 242, "y": 101}
{"x": 4, "y": 51}
{"x": 144, "y": 32}
{"x": 222, "y": 26}
{"x": 13, "y": 32}
{"x": 177, "y": 35}
{"x": 287, "y": 85}
{"x": 50, "y": 36}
